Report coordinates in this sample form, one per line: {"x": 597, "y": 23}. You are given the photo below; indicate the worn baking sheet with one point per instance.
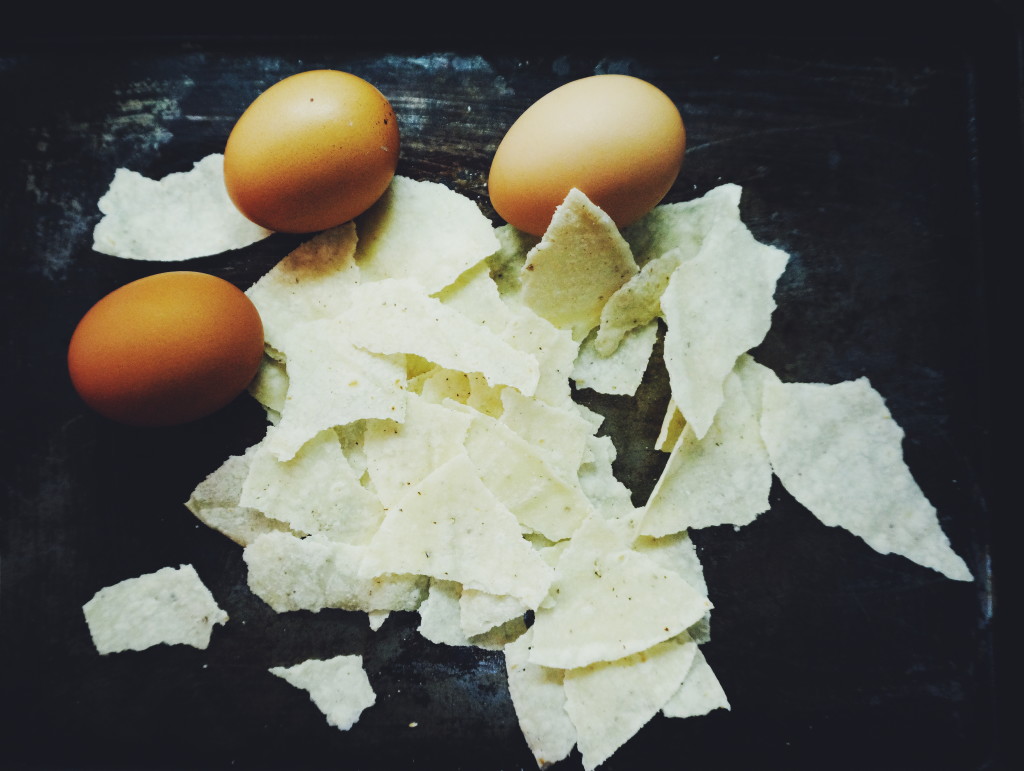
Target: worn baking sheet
{"x": 865, "y": 162}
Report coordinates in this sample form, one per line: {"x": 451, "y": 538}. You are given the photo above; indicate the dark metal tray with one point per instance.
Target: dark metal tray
{"x": 883, "y": 165}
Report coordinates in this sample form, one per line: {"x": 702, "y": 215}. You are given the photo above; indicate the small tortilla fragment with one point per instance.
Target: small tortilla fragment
{"x": 422, "y": 231}
{"x": 400, "y": 455}
{"x": 313, "y": 573}
{"x": 339, "y": 687}
{"x": 609, "y": 702}
{"x": 315, "y": 492}
{"x": 215, "y": 502}
{"x": 554, "y": 349}
{"x": 678, "y": 553}
{"x": 480, "y": 612}
{"x": 182, "y": 216}
{"x": 598, "y": 481}
{"x": 397, "y": 316}
{"x": 451, "y": 527}
{"x": 622, "y": 371}
{"x": 722, "y": 479}
{"x": 313, "y": 282}
{"x": 441, "y": 614}
{"x": 635, "y": 303}
{"x": 170, "y": 606}
{"x": 699, "y": 694}
{"x": 839, "y": 452}
{"x": 561, "y": 435}
{"x": 717, "y": 306}
{"x": 599, "y": 577}
{"x": 332, "y": 382}
{"x": 578, "y": 264}
{"x": 521, "y": 477}
{"x": 538, "y": 695}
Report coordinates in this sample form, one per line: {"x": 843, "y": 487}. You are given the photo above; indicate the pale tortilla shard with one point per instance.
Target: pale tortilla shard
{"x": 313, "y": 573}
{"x": 839, "y": 452}
{"x": 560, "y": 435}
{"x": 699, "y": 694}
{"x": 422, "y": 231}
{"x": 332, "y": 382}
{"x": 600, "y": 577}
{"x": 170, "y": 606}
{"x": 400, "y": 455}
{"x": 581, "y": 260}
{"x": 635, "y": 303}
{"x": 314, "y": 281}
{"x": 216, "y": 502}
{"x": 722, "y": 479}
{"x": 682, "y": 225}
{"x": 397, "y": 316}
{"x": 520, "y": 476}
{"x": 480, "y": 612}
{"x": 620, "y": 372}
{"x": 608, "y": 702}
{"x": 182, "y": 216}
{"x": 339, "y": 687}
{"x": 451, "y": 527}
{"x": 315, "y": 492}
{"x": 718, "y": 305}
{"x": 538, "y": 695}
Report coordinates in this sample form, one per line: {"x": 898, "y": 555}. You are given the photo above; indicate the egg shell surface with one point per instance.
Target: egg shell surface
{"x": 166, "y": 349}
{"x": 617, "y": 138}
{"x": 312, "y": 151}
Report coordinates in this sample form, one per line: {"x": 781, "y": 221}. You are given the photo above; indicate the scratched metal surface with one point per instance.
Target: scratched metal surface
{"x": 861, "y": 161}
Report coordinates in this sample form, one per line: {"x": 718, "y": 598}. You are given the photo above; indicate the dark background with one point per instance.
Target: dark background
{"x": 880, "y": 147}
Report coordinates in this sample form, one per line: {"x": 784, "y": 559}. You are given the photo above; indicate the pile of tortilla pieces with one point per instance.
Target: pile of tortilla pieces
{"x": 424, "y": 453}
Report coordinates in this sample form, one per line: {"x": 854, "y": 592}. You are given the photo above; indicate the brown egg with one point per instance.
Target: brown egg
{"x": 617, "y": 138}
{"x": 166, "y": 349}
{"x": 312, "y": 151}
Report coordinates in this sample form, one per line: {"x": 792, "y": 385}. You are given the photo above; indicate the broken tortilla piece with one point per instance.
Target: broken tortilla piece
{"x": 171, "y": 606}
{"x": 717, "y": 305}
{"x": 338, "y": 687}
{"x": 581, "y": 260}
{"x": 608, "y": 702}
{"x": 182, "y": 216}
{"x": 538, "y": 695}
{"x": 451, "y": 527}
{"x": 600, "y": 577}
{"x": 699, "y": 694}
{"x": 838, "y": 451}
{"x": 722, "y": 479}
{"x": 422, "y": 231}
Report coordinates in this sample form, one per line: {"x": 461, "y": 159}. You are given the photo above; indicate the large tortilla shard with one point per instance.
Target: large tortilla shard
{"x": 185, "y": 215}
{"x": 538, "y": 695}
{"x": 838, "y": 451}
{"x": 717, "y": 306}
{"x": 422, "y": 231}
{"x": 580, "y": 262}
{"x": 451, "y": 527}
{"x": 600, "y": 578}
{"x": 610, "y": 701}
{"x": 722, "y": 479}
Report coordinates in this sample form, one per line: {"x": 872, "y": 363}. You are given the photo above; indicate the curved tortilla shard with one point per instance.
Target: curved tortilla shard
{"x": 839, "y": 452}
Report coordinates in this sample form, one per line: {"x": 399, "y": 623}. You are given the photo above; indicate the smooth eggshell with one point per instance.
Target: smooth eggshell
{"x": 312, "y": 151}
{"x": 617, "y": 138}
{"x": 166, "y": 349}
